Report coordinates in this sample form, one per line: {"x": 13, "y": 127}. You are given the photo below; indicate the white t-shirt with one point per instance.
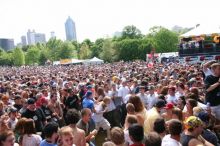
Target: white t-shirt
{"x": 168, "y": 141}
{"x": 151, "y": 99}
{"x": 32, "y": 140}
{"x": 122, "y": 92}
{"x": 98, "y": 115}
{"x": 172, "y": 99}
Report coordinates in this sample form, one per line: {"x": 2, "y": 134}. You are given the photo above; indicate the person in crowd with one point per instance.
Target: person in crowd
{"x": 171, "y": 97}
{"x": 117, "y": 136}
{"x": 153, "y": 139}
{"x": 207, "y": 134}
{"x": 17, "y": 102}
{"x": 130, "y": 120}
{"x": 144, "y": 97}
{"x": 153, "y": 114}
{"x": 192, "y": 135}
{"x": 160, "y": 127}
{"x": 85, "y": 124}
{"x": 177, "y": 114}
{"x": 131, "y": 112}
{"x": 108, "y": 143}
{"x": 136, "y": 133}
{"x": 168, "y": 114}
{"x": 175, "y": 128}
{"x": 72, "y": 118}
{"x": 36, "y": 114}
{"x": 50, "y": 133}
{"x": 30, "y": 137}
{"x": 19, "y": 130}
{"x": 190, "y": 104}
{"x": 46, "y": 111}
{"x": 12, "y": 121}
{"x": 212, "y": 85}
{"x": 151, "y": 97}
{"x": 66, "y": 136}
{"x": 7, "y": 138}
{"x": 88, "y": 101}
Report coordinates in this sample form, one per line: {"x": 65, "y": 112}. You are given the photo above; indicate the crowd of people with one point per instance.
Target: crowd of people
{"x": 129, "y": 103}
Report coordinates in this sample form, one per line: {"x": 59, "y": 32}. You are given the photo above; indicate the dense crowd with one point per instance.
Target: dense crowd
{"x": 129, "y": 103}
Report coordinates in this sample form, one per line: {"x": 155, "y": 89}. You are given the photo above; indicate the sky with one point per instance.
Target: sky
{"x": 101, "y": 18}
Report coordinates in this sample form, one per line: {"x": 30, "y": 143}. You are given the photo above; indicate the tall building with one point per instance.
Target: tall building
{"x": 23, "y": 40}
{"x": 7, "y": 44}
{"x": 70, "y": 29}
{"x": 40, "y": 38}
{"x": 31, "y": 37}
{"x": 52, "y": 34}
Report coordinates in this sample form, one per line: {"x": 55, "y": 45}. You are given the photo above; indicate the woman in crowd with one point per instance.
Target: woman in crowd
{"x": 7, "y": 138}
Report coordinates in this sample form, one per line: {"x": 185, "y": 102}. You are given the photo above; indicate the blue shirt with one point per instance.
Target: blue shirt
{"x": 88, "y": 103}
{"x": 45, "y": 143}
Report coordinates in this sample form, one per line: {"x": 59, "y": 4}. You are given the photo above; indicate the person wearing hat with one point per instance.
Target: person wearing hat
{"x": 152, "y": 115}
{"x": 168, "y": 114}
{"x": 12, "y": 112}
{"x": 192, "y": 135}
{"x": 18, "y": 103}
{"x": 207, "y": 134}
{"x": 88, "y": 101}
{"x": 36, "y": 114}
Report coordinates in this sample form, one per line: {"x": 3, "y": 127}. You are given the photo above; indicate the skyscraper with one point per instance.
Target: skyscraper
{"x": 70, "y": 29}
{"x": 52, "y": 34}
{"x": 7, "y": 44}
{"x": 31, "y": 37}
{"x": 23, "y": 40}
{"x": 40, "y": 38}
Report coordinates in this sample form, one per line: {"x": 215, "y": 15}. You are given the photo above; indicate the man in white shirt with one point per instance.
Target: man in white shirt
{"x": 143, "y": 96}
{"x": 151, "y": 97}
{"x": 175, "y": 129}
{"x": 123, "y": 91}
{"x": 171, "y": 97}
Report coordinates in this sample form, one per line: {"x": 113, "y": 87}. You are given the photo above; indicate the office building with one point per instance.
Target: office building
{"x": 23, "y": 40}
{"x": 7, "y": 44}
{"x": 31, "y": 37}
{"x": 52, "y": 34}
{"x": 40, "y": 38}
{"x": 70, "y": 29}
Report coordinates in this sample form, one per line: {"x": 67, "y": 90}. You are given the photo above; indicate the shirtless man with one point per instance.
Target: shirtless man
{"x": 72, "y": 117}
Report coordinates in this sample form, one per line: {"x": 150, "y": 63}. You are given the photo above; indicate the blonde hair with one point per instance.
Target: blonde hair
{"x": 65, "y": 131}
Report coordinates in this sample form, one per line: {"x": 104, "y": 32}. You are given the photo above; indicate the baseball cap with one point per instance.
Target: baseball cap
{"x": 12, "y": 110}
{"x": 30, "y": 101}
{"x": 88, "y": 93}
{"x": 204, "y": 117}
{"x": 160, "y": 103}
{"x": 169, "y": 106}
{"x": 192, "y": 122}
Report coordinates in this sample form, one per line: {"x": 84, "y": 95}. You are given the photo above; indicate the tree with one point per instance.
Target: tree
{"x": 43, "y": 57}
{"x": 5, "y": 59}
{"x": 53, "y": 45}
{"x": 163, "y": 39}
{"x": 84, "y": 52}
{"x": 107, "y": 51}
{"x": 131, "y": 32}
{"x": 18, "y": 57}
{"x": 67, "y": 50}
{"x": 32, "y": 56}
{"x": 96, "y": 49}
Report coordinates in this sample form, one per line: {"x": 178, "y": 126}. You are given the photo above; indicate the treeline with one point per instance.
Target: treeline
{"x": 130, "y": 45}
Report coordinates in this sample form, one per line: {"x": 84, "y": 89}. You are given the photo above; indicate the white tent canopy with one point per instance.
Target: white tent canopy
{"x": 202, "y": 30}
{"x": 94, "y": 60}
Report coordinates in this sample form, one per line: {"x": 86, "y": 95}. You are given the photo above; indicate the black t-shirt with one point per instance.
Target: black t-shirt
{"x": 17, "y": 106}
{"x": 213, "y": 97}
{"x": 47, "y": 112}
{"x": 72, "y": 102}
{"x": 37, "y": 116}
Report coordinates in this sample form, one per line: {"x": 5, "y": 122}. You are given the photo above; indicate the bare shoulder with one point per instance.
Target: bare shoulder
{"x": 80, "y": 131}
{"x": 195, "y": 142}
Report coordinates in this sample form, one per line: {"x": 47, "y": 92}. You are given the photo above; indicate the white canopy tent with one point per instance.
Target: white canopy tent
{"x": 202, "y": 30}
{"x": 94, "y": 60}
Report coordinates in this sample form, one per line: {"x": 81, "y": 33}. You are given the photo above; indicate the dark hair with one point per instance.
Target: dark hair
{"x": 193, "y": 103}
{"x": 72, "y": 116}
{"x": 153, "y": 139}
{"x": 175, "y": 127}
{"x": 49, "y": 129}
{"x": 138, "y": 104}
{"x": 136, "y": 131}
{"x": 191, "y": 96}
{"x": 159, "y": 125}
{"x": 29, "y": 127}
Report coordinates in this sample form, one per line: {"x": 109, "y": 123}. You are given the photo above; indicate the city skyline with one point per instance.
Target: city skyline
{"x": 70, "y": 29}
{"x": 97, "y": 18}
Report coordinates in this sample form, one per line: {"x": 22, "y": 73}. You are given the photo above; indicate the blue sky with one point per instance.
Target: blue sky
{"x": 101, "y": 18}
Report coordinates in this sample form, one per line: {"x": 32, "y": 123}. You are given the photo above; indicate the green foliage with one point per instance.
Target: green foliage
{"x": 18, "y": 57}
{"x": 32, "y": 56}
{"x": 163, "y": 39}
{"x": 130, "y": 45}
